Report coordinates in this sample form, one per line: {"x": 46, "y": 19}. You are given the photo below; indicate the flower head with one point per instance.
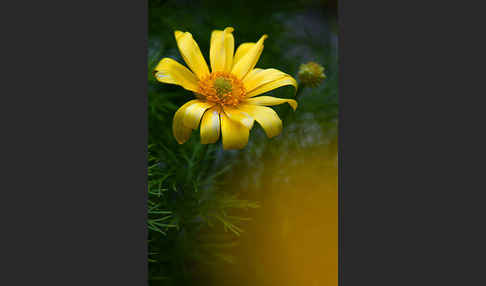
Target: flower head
{"x": 226, "y": 96}
{"x": 311, "y": 74}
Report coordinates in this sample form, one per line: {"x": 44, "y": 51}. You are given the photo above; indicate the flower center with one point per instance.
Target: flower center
{"x": 222, "y": 88}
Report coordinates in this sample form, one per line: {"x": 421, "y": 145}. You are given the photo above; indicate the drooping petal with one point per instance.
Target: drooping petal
{"x": 194, "y": 112}
{"x": 266, "y": 117}
{"x": 286, "y": 80}
{"x": 235, "y": 135}
{"x": 249, "y": 60}
{"x": 191, "y": 54}
{"x": 221, "y": 50}
{"x": 241, "y": 51}
{"x": 257, "y": 79}
{"x": 210, "y": 126}
{"x": 270, "y": 100}
{"x": 172, "y": 72}
{"x": 239, "y": 116}
{"x": 180, "y": 131}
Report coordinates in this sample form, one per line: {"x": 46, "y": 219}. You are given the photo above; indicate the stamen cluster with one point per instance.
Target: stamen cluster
{"x": 222, "y": 88}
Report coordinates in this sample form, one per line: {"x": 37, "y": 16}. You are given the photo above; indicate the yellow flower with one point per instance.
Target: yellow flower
{"x": 226, "y": 101}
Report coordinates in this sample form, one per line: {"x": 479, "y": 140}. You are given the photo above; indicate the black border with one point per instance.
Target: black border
{"x": 409, "y": 77}
{"x": 74, "y": 143}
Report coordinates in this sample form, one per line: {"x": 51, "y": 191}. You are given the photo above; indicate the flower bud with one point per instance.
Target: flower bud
{"x": 311, "y": 74}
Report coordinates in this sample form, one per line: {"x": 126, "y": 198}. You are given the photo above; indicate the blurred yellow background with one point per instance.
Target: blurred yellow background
{"x": 293, "y": 237}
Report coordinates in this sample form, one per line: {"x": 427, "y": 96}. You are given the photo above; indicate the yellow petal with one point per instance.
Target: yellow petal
{"x": 241, "y": 51}
{"x": 191, "y": 53}
{"x": 178, "y": 34}
{"x": 252, "y": 74}
{"x": 210, "y": 126}
{"x": 235, "y": 135}
{"x": 172, "y": 72}
{"x": 194, "y": 112}
{"x": 249, "y": 60}
{"x": 283, "y": 81}
{"x": 270, "y": 100}
{"x": 266, "y": 117}
{"x": 221, "y": 50}
{"x": 180, "y": 131}
{"x": 257, "y": 79}
{"x": 239, "y": 116}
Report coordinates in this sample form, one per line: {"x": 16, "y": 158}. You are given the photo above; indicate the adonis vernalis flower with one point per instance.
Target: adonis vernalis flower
{"x": 226, "y": 101}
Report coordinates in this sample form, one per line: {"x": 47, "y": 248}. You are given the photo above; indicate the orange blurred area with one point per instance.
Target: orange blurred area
{"x": 293, "y": 237}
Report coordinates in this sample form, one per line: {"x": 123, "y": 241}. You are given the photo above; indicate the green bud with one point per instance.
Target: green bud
{"x": 311, "y": 74}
